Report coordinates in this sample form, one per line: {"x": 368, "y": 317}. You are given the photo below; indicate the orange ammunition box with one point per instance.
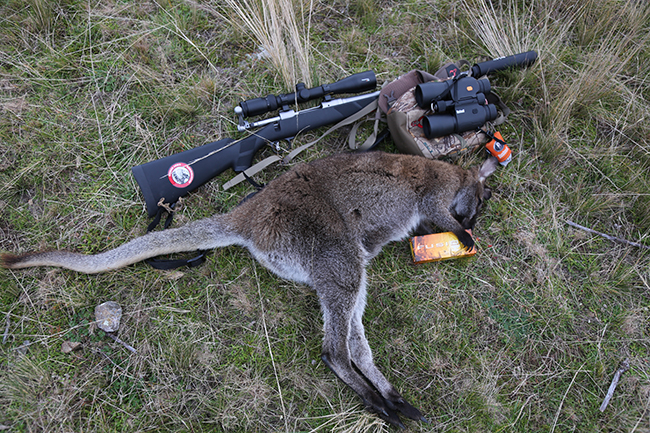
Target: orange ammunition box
{"x": 438, "y": 246}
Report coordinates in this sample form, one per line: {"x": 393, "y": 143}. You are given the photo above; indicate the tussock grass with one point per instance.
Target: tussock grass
{"x": 281, "y": 30}
{"x": 524, "y": 337}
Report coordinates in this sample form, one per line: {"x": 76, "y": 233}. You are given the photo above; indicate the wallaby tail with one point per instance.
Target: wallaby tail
{"x": 204, "y": 234}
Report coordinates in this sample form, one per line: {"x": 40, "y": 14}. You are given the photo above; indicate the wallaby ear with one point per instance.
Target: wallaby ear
{"x": 488, "y": 167}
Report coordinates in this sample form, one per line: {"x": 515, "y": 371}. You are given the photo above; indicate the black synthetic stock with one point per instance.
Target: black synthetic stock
{"x": 176, "y": 175}
{"x": 153, "y": 177}
{"x": 518, "y": 60}
{"x": 356, "y": 83}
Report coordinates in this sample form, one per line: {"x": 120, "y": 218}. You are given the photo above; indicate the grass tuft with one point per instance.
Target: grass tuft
{"x": 281, "y": 30}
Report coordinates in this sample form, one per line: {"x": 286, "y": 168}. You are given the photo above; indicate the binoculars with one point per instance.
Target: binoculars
{"x": 460, "y": 104}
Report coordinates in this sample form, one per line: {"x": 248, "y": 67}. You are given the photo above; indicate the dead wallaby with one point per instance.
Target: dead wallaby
{"x": 320, "y": 224}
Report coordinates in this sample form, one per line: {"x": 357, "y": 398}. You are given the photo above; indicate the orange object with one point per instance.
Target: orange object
{"x": 499, "y": 149}
{"x": 438, "y": 246}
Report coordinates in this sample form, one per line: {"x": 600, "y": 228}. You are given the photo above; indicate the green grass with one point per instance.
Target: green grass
{"x": 525, "y": 336}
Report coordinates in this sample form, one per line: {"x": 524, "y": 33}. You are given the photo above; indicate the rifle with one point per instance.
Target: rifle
{"x": 167, "y": 179}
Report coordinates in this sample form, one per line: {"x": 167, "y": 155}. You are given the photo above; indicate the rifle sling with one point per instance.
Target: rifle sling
{"x": 251, "y": 171}
{"x": 171, "y": 264}
{"x": 158, "y": 217}
{"x": 274, "y": 158}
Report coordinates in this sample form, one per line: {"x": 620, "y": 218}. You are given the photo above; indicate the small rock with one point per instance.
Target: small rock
{"x": 108, "y": 316}
{"x": 69, "y": 346}
{"x": 174, "y": 275}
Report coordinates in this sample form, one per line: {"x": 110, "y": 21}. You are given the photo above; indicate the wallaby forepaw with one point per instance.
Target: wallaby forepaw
{"x": 466, "y": 239}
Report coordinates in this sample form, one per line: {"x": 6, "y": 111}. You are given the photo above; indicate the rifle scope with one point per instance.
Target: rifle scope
{"x": 356, "y": 83}
{"x": 518, "y": 60}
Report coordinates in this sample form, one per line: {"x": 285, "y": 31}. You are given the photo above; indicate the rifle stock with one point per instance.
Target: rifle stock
{"x": 176, "y": 175}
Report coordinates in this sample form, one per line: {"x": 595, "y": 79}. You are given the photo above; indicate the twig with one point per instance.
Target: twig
{"x": 606, "y": 236}
{"x": 109, "y": 360}
{"x": 118, "y": 340}
{"x": 268, "y": 342}
{"x": 559, "y": 409}
{"x": 6, "y": 334}
{"x": 625, "y": 366}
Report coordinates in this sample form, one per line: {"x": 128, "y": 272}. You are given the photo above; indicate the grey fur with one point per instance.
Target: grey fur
{"x": 320, "y": 224}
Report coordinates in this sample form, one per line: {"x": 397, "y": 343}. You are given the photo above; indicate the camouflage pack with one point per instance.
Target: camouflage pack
{"x": 404, "y": 117}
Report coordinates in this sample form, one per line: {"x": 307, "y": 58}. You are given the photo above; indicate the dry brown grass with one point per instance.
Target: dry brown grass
{"x": 279, "y": 28}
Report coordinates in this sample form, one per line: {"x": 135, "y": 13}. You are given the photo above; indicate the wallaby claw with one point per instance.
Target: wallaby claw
{"x": 402, "y": 406}
{"x": 389, "y": 416}
{"x": 409, "y": 411}
{"x": 465, "y": 239}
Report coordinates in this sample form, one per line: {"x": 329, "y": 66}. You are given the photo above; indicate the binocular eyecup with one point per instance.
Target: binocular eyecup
{"x": 355, "y": 83}
{"x": 464, "y": 118}
{"x": 434, "y": 92}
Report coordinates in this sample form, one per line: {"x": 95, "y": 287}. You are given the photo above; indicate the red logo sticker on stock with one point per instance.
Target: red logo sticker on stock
{"x": 180, "y": 175}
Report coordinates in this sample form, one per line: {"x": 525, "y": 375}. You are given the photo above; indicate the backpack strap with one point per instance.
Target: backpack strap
{"x": 450, "y": 70}
{"x": 393, "y": 90}
{"x": 504, "y": 111}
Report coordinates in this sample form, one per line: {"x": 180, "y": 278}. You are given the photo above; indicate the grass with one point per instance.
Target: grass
{"x": 525, "y": 336}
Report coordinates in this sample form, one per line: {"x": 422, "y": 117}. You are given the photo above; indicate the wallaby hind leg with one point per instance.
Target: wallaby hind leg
{"x": 339, "y": 296}
{"x": 361, "y": 355}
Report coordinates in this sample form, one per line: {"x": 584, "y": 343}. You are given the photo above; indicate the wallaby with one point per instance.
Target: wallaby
{"x": 320, "y": 223}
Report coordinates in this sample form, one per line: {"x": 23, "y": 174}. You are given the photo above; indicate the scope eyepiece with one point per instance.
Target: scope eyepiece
{"x": 257, "y": 106}
{"x": 518, "y": 60}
